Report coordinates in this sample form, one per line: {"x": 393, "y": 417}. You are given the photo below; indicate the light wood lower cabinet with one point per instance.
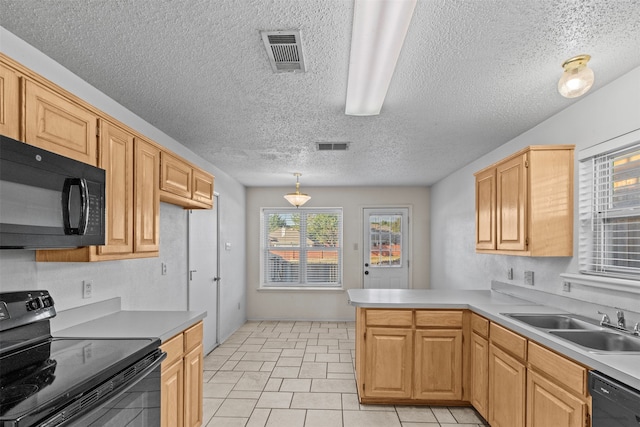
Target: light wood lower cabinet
{"x": 389, "y": 356}
{"x": 479, "y": 355}
{"x": 181, "y": 379}
{"x": 409, "y": 355}
{"x": 507, "y": 389}
{"x": 438, "y": 365}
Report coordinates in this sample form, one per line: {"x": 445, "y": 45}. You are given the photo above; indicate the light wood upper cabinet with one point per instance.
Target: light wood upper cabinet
{"x": 511, "y": 196}
{"x": 147, "y": 196}
{"x": 58, "y": 124}
{"x": 183, "y": 184}
{"x": 524, "y": 203}
{"x": 116, "y": 158}
{"x": 132, "y": 229}
{"x": 9, "y": 102}
{"x": 486, "y": 209}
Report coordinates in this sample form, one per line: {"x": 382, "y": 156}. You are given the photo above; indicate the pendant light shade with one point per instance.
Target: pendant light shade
{"x": 297, "y": 199}
{"x": 577, "y": 78}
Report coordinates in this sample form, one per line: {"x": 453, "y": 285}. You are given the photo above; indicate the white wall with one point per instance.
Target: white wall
{"x": 138, "y": 282}
{"x": 601, "y": 115}
{"x": 332, "y": 305}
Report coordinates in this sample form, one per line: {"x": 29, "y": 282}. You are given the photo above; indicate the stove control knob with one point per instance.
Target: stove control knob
{"x": 47, "y": 301}
{"x": 34, "y": 304}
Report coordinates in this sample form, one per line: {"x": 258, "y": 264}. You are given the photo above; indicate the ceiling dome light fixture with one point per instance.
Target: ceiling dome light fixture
{"x": 577, "y": 78}
{"x": 297, "y": 199}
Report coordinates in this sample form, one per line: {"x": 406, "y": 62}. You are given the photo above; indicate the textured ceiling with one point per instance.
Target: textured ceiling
{"x": 472, "y": 75}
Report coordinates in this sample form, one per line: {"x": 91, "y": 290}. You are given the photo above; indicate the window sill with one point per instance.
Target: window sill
{"x": 299, "y": 289}
{"x": 612, "y": 283}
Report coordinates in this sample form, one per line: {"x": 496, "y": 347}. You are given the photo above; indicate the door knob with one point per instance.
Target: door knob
{"x": 366, "y": 264}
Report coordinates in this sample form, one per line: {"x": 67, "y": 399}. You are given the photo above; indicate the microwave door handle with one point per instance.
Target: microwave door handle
{"x": 84, "y": 206}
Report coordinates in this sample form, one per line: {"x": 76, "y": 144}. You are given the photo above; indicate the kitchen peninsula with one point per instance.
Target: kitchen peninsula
{"x": 456, "y": 347}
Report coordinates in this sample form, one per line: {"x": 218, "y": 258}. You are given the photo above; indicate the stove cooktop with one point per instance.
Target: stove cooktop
{"x": 40, "y": 378}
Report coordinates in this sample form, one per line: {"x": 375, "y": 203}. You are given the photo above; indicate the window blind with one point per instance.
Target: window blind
{"x": 302, "y": 247}
{"x": 609, "y": 203}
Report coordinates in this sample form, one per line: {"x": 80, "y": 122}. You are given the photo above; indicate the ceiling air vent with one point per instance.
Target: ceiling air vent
{"x": 332, "y": 146}
{"x": 285, "y": 51}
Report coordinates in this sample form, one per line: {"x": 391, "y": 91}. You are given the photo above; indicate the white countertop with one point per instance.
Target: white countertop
{"x": 135, "y": 324}
{"x": 490, "y": 304}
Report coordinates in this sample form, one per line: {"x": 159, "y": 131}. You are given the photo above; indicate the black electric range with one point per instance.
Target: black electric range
{"x": 49, "y": 381}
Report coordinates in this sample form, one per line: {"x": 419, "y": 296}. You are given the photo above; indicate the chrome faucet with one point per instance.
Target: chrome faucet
{"x": 621, "y": 322}
{"x": 605, "y": 318}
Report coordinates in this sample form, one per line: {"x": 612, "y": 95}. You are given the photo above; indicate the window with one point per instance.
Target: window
{"x": 610, "y": 213}
{"x": 301, "y": 247}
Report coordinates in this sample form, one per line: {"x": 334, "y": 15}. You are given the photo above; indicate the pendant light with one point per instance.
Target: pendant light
{"x": 577, "y": 78}
{"x": 297, "y": 199}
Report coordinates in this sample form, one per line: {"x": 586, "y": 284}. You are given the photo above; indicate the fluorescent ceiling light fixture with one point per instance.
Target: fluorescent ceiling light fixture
{"x": 379, "y": 29}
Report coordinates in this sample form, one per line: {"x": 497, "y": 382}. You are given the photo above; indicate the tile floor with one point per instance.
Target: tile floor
{"x": 300, "y": 374}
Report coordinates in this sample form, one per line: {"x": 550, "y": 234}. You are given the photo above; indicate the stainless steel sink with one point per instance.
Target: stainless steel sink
{"x": 553, "y": 321}
{"x": 601, "y": 340}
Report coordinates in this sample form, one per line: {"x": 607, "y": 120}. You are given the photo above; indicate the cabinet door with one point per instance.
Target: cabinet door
{"x": 389, "y": 356}
{"x": 172, "y": 395}
{"x": 507, "y": 388}
{"x": 116, "y": 158}
{"x": 550, "y": 405}
{"x": 176, "y": 176}
{"x": 9, "y": 103}
{"x": 486, "y": 209}
{"x": 202, "y": 187}
{"x": 147, "y": 197}
{"x": 480, "y": 374}
{"x": 438, "y": 365}
{"x": 193, "y": 387}
{"x": 511, "y": 203}
{"x": 59, "y": 125}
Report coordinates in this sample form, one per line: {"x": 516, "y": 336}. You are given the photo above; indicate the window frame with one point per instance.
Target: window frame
{"x": 594, "y": 215}
{"x": 302, "y": 283}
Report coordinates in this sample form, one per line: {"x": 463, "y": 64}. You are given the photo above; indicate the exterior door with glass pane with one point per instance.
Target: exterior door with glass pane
{"x": 385, "y": 248}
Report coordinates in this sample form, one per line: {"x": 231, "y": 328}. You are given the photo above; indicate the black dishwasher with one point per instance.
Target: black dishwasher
{"x": 614, "y": 404}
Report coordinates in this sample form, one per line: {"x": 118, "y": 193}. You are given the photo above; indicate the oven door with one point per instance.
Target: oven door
{"x": 135, "y": 403}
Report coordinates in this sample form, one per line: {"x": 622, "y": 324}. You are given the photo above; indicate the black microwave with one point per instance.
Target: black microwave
{"x": 48, "y": 201}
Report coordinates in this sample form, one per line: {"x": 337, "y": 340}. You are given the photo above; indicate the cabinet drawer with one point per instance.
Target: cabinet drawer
{"x": 192, "y": 337}
{"x": 509, "y": 341}
{"x": 174, "y": 349}
{"x": 559, "y": 368}
{"x": 438, "y": 319}
{"x": 389, "y": 317}
{"x": 480, "y": 325}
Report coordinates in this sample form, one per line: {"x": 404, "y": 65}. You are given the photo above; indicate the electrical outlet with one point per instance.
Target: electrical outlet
{"x": 163, "y": 266}
{"x": 510, "y": 274}
{"x": 566, "y": 286}
{"x": 528, "y": 278}
{"x": 87, "y": 289}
